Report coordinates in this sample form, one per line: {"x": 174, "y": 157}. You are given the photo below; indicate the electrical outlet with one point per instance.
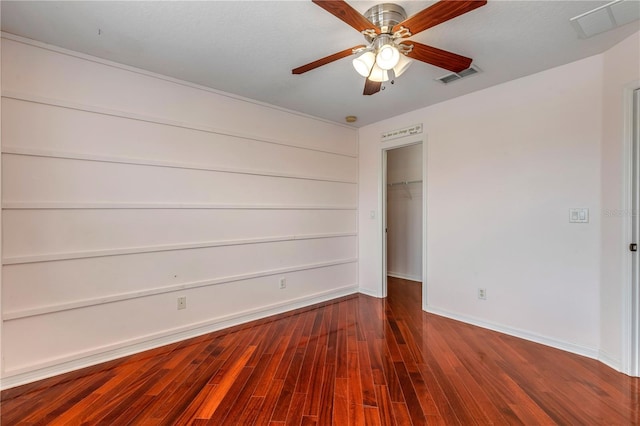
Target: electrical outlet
{"x": 182, "y": 302}
{"x": 283, "y": 283}
{"x": 482, "y": 293}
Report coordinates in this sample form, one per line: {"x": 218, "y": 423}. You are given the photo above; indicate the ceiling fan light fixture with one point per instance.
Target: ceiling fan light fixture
{"x": 378, "y": 74}
{"x": 387, "y": 57}
{"x": 403, "y": 64}
{"x": 385, "y": 26}
{"x": 364, "y": 63}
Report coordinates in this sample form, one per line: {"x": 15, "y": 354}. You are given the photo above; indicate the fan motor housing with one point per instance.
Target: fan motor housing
{"x": 385, "y": 16}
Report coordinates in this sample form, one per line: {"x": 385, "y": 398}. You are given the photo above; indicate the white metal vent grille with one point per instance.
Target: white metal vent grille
{"x": 454, "y": 76}
{"x": 606, "y": 17}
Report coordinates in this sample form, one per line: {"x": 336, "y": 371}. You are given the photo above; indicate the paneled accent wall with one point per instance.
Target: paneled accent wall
{"x": 123, "y": 190}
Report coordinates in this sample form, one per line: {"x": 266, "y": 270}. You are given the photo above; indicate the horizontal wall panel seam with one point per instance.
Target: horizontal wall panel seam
{"x": 17, "y": 205}
{"x": 25, "y": 313}
{"x": 168, "y": 247}
{"x": 156, "y": 120}
{"x": 157, "y": 163}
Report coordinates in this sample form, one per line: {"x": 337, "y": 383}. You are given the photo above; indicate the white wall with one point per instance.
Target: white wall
{"x": 621, "y": 76}
{"x": 505, "y": 164}
{"x": 123, "y": 190}
{"x": 404, "y": 212}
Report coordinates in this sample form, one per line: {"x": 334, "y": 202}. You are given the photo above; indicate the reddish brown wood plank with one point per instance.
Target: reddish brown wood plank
{"x": 55, "y": 408}
{"x": 325, "y": 416}
{"x": 239, "y": 404}
{"x": 371, "y": 87}
{"x": 347, "y": 14}
{"x": 309, "y": 421}
{"x": 356, "y": 409}
{"x": 375, "y": 358}
{"x": 264, "y": 416}
{"x": 391, "y": 378}
{"x": 312, "y": 404}
{"x": 265, "y": 382}
{"x": 208, "y": 364}
{"x": 341, "y": 349}
{"x": 307, "y": 366}
{"x": 438, "y": 13}
{"x": 251, "y": 411}
{"x": 384, "y": 406}
{"x": 288, "y": 387}
{"x": 290, "y": 352}
{"x": 294, "y": 416}
{"x": 366, "y": 375}
{"x": 174, "y": 390}
{"x": 401, "y": 413}
{"x": 325, "y": 60}
{"x": 409, "y": 392}
{"x": 229, "y": 401}
{"x": 218, "y": 391}
{"x": 371, "y": 416}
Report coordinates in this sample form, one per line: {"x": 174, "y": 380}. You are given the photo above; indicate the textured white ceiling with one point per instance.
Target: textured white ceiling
{"x": 249, "y": 47}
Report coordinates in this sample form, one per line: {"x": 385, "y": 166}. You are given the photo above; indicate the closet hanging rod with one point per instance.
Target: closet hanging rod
{"x": 404, "y": 182}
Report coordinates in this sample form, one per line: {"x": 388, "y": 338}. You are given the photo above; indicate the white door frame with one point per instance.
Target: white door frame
{"x": 382, "y": 191}
{"x": 631, "y": 260}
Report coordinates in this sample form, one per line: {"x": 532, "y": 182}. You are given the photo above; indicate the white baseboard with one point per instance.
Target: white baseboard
{"x": 610, "y": 360}
{"x": 526, "y": 335}
{"x": 368, "y": 292}
{"x": 404, "y": 276}
{"x": 122, "y": 349}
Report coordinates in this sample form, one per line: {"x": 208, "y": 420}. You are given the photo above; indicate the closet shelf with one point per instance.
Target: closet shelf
{"x": 404, "y": 182}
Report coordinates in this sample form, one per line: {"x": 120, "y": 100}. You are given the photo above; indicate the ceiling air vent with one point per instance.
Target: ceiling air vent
{"x": 454, "y": 76}
{"x": 606, "y": 17}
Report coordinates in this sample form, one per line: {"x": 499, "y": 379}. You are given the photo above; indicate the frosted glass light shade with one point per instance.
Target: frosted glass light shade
{"x": 387, "y": 57}
{"x": 378, "y": 74}
{"x": 402, "y": 65}
{"x": 364, "y": 63}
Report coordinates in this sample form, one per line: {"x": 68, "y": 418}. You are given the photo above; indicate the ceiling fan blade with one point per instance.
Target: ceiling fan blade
{"x": 438, "y": 57}
{"x": 371, "y": 87}
{"x": 437, "y": 14}
{"x": 347, "y": 14}
{"x": 326, "y": 60}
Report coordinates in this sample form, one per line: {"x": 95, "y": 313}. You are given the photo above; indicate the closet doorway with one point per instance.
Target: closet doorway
{"x": 404, "y": 216}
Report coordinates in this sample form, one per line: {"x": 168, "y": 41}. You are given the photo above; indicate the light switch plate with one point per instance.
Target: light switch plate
{"x": 579, "y": 215}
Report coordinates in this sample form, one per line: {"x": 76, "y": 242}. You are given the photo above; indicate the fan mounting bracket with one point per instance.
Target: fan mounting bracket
{"x": 369, "y": 34}
{"x": 403, "y": 32}
{"x": 384, "y": 16}
{"x": 404, "y": 48}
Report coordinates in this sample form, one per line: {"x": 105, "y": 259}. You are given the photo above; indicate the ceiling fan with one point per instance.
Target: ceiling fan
{"x": 385, "y": 27}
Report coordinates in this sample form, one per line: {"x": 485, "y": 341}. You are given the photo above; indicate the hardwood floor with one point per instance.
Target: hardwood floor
{"x": 353, "y": 361}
